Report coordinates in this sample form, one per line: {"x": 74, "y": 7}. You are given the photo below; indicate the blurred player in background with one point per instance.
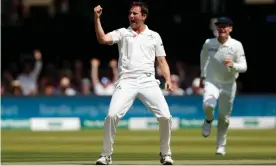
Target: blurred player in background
{"x": 103, "y": 86}
{"x": 138, "y": 48}
{"x": 222, "y": 59}
{"x": 28, "y": 78}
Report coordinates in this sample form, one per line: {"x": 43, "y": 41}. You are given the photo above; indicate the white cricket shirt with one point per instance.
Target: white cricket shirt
{"x": 137, "y": 52}
{"x": 212, "y": 60}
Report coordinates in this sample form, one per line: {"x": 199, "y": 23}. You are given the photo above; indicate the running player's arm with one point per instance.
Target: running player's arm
{"x": 161, "y": 58}
{"x": 204, "y": 59}
{"x": 109, "y": 38}
{"x": 240, "y": 64}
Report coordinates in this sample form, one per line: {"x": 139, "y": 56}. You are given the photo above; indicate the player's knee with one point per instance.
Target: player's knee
{"x": 224, "y": 119}
{"x": 225, "y": 113}
{"x": 209, "y": 104}
{"x": 112, "y": 116}
{"x": 165, "y": 118}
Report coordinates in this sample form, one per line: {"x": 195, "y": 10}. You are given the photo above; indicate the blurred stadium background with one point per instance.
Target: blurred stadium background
{"x": 56, "y": 82}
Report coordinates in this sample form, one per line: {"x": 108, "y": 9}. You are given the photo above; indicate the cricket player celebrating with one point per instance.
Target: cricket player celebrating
{"x": 222, "y": 59}
{"x": 138, "y": 46}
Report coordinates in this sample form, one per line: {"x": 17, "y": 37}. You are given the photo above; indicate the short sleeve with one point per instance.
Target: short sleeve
{"x": 116, "y": 35}
{"x": 159, "y": 50}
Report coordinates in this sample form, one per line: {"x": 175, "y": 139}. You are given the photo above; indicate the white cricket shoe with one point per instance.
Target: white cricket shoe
{"x": 221, "y": 151}
{"x": 206, "y": 129}
{"x": 104, "y": 160}
{"x": 166, "y": 159}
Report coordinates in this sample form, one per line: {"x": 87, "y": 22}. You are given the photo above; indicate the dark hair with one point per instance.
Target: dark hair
{"x": 143, "y": 6}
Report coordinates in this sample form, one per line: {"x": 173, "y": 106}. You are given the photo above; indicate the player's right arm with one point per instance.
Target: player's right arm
{"x": 109, "y": 38}
{"x": 204, "y": 58}
{"x": 101, "y": 36}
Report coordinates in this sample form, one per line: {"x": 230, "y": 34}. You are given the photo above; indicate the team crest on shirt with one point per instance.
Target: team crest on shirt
{"x": 231, "y": 50}
{"x": 227, "y": 50}
{"x": 151, "y": 36}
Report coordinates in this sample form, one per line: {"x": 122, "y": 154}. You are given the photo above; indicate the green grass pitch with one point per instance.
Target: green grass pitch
{"x": 244, "y": 146}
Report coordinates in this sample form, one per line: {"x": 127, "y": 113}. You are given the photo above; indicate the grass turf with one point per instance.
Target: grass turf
{"x": 85, "y": 145}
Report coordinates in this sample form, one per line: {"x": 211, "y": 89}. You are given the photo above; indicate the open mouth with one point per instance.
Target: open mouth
{"x": 132, "y": 21}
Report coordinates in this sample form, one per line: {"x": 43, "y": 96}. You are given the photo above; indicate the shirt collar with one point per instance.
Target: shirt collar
{"x": 227, "y": 43}
{"x": 146, "y": 31}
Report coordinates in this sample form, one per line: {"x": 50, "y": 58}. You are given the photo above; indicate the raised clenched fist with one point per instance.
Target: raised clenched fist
{"x": 98, "y": 11}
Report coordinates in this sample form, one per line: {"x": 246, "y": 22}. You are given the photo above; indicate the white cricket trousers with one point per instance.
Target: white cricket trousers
{"x": 224, "y": 94}
{"x": 146, "y": 89}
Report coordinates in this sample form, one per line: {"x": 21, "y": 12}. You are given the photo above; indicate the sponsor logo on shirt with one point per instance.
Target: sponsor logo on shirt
{"x": 213, "y": 50}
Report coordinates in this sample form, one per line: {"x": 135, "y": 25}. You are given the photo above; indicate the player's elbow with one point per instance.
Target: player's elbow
{"x": 102, "y": 41}
{"x": 161, "y": 60}
{"x": 244, "y": 69}
{"x": 105, "y": 40}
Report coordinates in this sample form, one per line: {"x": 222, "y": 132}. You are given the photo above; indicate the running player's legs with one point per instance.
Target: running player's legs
{"x": 226, "y": 100}
{"x": 210, "y": 96}
{"x": 121, "y": 101}
{"x": 153, "y": 98}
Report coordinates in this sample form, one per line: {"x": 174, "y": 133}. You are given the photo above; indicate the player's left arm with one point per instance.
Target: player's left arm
{"x": 164, "y": 67}
{"x": 240, "y": 64}
{"x": 161, "y": 58}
